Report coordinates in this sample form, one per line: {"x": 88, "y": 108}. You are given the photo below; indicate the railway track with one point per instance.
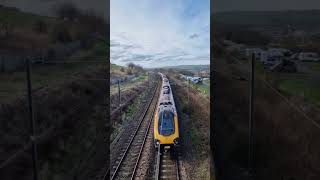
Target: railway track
{"x": 126, "y": 164}
{"x": 167, "y": 166}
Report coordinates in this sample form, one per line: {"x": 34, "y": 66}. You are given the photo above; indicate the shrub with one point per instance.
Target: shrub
{"x": 40, "y": 27}
{"x": 61, "y": 33}
{"x": 68, "y": 11}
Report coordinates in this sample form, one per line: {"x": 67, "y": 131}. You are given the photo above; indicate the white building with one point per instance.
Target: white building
{"x": 308, "y": 56}
{"x": 256, "y": 51}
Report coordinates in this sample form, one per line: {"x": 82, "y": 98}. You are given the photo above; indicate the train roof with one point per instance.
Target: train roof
{"x": 166, "y": 108}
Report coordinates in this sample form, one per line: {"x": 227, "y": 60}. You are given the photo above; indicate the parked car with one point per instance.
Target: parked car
{"x": 308, "y": 56}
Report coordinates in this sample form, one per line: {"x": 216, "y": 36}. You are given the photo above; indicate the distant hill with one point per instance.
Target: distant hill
{"x": 47, "y": 7}
{"x": 190, "y": 67}
{"x": 273, "y": 18}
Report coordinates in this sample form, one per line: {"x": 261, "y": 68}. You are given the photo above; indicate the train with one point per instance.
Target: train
{"x": 166, "y": 123}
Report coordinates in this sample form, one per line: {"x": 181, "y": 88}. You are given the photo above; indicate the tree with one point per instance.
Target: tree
{"x": 61, "y": 34}
{"x": 68, "y": 11}
{"x": 40, "y": 27}
{"x": 5, "y": 28}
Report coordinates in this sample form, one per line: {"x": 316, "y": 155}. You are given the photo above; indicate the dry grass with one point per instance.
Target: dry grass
{"x": 195, "y": 128}
{"x": 286, "y": 145}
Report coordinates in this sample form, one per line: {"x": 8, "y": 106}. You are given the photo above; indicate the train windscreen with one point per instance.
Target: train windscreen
{"x": 166, "y": 123}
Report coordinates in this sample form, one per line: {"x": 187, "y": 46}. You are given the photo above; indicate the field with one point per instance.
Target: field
{"x": 68, "y": 94}
{"x": 314, "y": 66}
{"x": 281, "y": 132}
{"x": 195, "y": 122}
{"x": 14, "y": 84}
{"x": 204, "y": 87}
{"x": 308, "y": 90}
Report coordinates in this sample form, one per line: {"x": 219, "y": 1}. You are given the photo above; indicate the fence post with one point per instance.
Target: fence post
{"x": 251, "y": 113}
{"x": 32, "y": 122}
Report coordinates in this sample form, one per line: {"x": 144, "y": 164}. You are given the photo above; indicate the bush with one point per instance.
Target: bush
{"x": 134, "y": 69}
{"x": 93, "y": 23}
{"x": 68, "y": 11}
{"x": 61, "y": 34}
{"x": 40, "y": 27}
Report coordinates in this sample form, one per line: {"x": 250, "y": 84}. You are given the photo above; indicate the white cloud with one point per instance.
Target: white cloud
{"x": 157, "y": 33}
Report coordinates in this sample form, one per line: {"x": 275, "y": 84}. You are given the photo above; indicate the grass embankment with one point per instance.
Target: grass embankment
{"x": 28, "y": 33}
{"x": 128, "y": 84}
{"x": 128, "y": 89}
{"x": 204, "y": 87}
{"x": 195, "y": 124}
{"x": 121, "y": 72}
{"x": 314, "y": 66}
{"x": 21, "y": 34}
{"x": 22, "y": 19}
{"x": 14, "y": 84}
{"x": 127, "y": 116}
{"x": 310, "y": 91}
{"x": 72, "y": 118}
{"x": 281, "y": 133}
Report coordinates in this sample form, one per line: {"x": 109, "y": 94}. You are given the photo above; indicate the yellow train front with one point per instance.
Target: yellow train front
{"x": 166, "y": 125}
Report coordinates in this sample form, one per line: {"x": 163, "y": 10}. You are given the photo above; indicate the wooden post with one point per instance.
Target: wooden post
{"x": 251, "y": 113}
{"x": 32, "y": 123}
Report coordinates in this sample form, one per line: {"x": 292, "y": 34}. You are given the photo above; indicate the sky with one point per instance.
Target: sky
{"x": 264, "y": 5}
{"x": 157, "y": 33}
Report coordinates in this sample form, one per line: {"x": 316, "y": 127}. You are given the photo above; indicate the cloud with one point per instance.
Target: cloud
{"x": 193, "y": 36}
{"x": 156, "y": 33}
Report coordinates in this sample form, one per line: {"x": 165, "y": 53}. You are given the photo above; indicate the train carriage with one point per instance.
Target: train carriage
{"x": 166, "y": 125}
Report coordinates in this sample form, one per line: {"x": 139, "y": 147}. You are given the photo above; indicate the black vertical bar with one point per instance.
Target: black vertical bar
{"x": 119, "y": 96}
{"x": 188, "y": 96}
{"x": 32, "y": 124}
{"x": 251, "y": 111}
{"x": 2, "y": 64}
{"x": 149, "y": 81}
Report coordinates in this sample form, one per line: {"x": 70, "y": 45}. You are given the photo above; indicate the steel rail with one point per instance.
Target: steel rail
{"x": 159, "y": 165}
{"x": 133, "y": 137}
{"x": 142, "y": 146}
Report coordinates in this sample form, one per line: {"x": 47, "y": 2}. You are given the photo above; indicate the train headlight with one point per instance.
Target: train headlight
{"x": 156, "y": 143}
{"x": 176, "y": 141}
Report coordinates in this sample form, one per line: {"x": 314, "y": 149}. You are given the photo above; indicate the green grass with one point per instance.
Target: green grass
{"x": 132, "y": 109}
{"x": 195, "y": 137}
{"x": 14, "y": 84}
{"x": 204, "y": 87}
{"x": 127, "y": 85}
{"x": 309, "y": 90}
{"x": 101, "y": 50}
{"x": 315, "y": 66}
{"x": 116, "y": 68}
{"x": 21, "y": 19}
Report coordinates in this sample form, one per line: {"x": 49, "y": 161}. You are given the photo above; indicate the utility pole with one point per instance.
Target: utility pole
{"x": 119, "y": 100}
{"x": 148, "y": 81}
{"x": 251, "y": 113}
{"x": 189, "y": 97}
{"x": 32, "y": 123}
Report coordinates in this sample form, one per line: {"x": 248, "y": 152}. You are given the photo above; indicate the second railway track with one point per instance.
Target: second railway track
{"x": 126, "y": 164}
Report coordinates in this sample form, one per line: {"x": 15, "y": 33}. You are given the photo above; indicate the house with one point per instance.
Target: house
{"x": 196, "y": 80}
{"x": 280, "y": 52}
{"x": 308, "y": 56}
{"x": 256, "y": 51}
